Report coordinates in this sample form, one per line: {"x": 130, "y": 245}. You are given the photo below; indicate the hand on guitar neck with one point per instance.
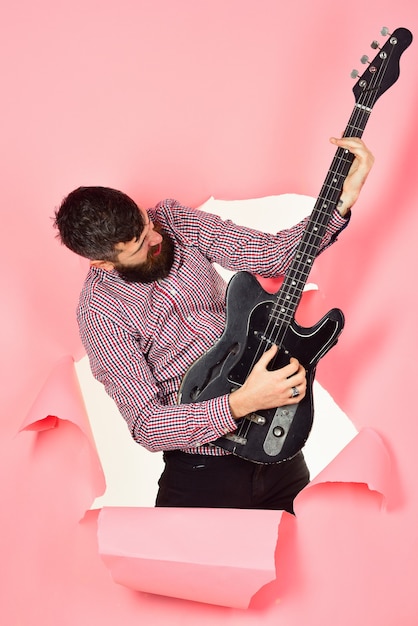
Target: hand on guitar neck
{"x": 357, "y": 175}
{"x": 266, "y": 389}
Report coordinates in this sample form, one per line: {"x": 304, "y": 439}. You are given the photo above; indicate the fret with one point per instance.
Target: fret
{"x": 355, "y": 131}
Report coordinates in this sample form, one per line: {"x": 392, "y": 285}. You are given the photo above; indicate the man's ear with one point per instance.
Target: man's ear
{"x": 104, "y": 265}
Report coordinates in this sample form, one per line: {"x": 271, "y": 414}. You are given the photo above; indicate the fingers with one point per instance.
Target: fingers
{"x": 358, "y": 173}
{"x": 290, "y": 379}
{"x": 267, "y": 389}
{"x": 267, "y": 356}
{"x": 356, "y": 146}
{"x": 297, "y": 383}
{"x": 287, "y": 370}
{"x": 348, "y": 142}
{"x": 292, "y": 370}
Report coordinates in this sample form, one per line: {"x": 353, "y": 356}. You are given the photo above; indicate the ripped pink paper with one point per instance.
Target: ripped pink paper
{"x": 219, "y": 556}
{"x": 364, "y": 460}
{"x": 61, "y": 400}
{"x": 215, "y": 556}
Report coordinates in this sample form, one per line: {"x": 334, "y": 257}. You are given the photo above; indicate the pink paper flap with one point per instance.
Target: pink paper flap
{"x": 217, "y": 556}
{"x": 364, "y": 460}
{"x": 59, "y": 399}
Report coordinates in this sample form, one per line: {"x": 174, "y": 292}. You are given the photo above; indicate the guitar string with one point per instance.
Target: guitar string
{"x": 355, "y": 127}
{"x": 340, "y": 163}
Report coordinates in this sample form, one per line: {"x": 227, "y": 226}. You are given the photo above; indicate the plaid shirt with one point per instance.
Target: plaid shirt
{"x": 142, "y": 338}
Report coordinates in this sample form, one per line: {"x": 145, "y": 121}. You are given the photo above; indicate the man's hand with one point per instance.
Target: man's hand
{"x": 358, "y": 173}
{"x": 266, "y": 389}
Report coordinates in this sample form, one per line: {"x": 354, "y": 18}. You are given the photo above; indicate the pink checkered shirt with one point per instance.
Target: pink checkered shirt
{"x": 142, "y": 338}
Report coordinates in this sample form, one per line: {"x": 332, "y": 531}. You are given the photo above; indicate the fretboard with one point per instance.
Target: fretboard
{"x": 289, "y": 296}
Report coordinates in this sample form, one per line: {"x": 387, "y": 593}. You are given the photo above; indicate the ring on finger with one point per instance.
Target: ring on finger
{"x": 295, "y": 392}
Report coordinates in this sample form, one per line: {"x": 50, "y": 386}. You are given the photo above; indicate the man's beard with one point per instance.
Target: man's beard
{"x": 157, "y": 266}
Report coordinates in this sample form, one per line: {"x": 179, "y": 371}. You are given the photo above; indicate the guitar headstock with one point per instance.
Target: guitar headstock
{"x": 383, "y": 70}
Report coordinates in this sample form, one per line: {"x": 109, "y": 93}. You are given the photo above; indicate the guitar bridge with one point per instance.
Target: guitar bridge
{"x": 257, "y": 419}
{"x": 242, "y": 441}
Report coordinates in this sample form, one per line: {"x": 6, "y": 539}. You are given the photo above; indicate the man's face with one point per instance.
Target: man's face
{"x": 145, "y": 258}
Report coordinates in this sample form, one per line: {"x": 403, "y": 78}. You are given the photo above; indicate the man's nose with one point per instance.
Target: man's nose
{"x": 154, "y": 237}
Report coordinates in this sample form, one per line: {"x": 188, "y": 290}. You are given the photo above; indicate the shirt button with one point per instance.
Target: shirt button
{"x": 173, "y": 292}
{"x": 189, "y": 318}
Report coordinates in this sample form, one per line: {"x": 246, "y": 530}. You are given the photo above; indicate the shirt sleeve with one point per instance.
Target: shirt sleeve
{"x": 119, "y": 365}
{"x": 240, "y": 248}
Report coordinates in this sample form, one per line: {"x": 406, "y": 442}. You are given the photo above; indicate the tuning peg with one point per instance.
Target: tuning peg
{"x": 375, "y": 44}
{"x": 365, "y": 59}
{"x": 354, "y": 74}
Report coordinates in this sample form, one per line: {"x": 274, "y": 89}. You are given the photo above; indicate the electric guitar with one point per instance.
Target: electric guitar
{"x": 256, "y": 319}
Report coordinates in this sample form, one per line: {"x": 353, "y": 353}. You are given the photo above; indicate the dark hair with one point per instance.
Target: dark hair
{"x": 92, "y": 220}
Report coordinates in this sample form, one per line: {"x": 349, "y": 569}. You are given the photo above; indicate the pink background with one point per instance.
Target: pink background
{"x": 187, "y": 99}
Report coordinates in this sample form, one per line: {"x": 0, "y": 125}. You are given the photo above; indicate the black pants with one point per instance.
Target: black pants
{"x": 194, "y": 480}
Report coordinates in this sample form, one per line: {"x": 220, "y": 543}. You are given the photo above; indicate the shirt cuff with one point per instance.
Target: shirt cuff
{"x": 220, "y": 416}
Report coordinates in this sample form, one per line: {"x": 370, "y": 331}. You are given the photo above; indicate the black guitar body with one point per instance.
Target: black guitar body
{"x": 268, "y": 436}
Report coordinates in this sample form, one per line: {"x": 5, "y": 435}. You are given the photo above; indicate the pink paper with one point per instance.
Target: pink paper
{"x": 364, "y": 460}
{"x": 60, "y": 399}
{"x": 216, "y": 556}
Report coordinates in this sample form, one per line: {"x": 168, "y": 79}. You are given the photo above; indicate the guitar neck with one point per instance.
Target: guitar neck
{"x": 382, "y": 72}
{"x": 295, "y": 280}
{"x": 332, "y": 188}
{"x": 326, "y": 202}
